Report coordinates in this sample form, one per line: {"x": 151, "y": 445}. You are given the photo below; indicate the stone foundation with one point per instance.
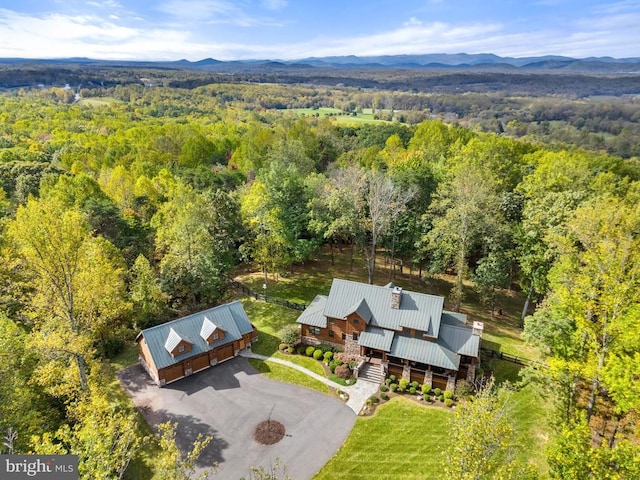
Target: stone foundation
{"x": 428, "y": 378}
{"x": 351, "y": 346}
{"x": 451, "y": 383}
{"x": 406, "y": 372}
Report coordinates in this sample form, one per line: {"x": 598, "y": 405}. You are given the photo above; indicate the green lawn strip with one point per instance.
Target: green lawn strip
{"x": 307, "y": 362}
{"x": 282, "y": 373}
{"x": 128, "y": 356}
{"x": 269, "y": 319}
{"x": 401, "y": 440}
{"x": 530, "y": 413}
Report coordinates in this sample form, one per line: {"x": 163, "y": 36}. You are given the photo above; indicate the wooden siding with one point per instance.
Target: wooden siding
{"x": 213, "y": 339}
{"x": 353, "y": 324}
{"x": 176, "y": 351}
{"x": 145, "y": 355}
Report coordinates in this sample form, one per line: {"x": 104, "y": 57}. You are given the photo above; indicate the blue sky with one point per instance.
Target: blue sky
{"x": 291, "y": 29}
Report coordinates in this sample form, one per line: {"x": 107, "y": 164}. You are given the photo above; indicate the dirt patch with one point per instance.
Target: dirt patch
{"x": 268, "y": 432}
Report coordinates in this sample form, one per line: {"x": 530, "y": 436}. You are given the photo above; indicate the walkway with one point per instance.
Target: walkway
{"x": 358, "y": 393}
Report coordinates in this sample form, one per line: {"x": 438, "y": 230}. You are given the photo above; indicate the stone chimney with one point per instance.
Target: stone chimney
{"x": 396, "y": 297}
{"x": 478, "y": 328}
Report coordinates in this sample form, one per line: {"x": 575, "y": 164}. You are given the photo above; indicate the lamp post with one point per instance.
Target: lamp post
{"x": 264, "y": 289}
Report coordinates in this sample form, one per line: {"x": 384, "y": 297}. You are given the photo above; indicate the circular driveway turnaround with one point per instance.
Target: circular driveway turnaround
{"x": 228, "y": 401}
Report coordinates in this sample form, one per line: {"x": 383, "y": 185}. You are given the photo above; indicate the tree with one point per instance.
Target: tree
{"x": 384, "y": 201}
{"x": 24, "y": 409}
{"x": 573, "y": 456}
{"x": 483, "y": 443}
{"x": 104, "y": 438}
{"x": 172, "y": 463}
{"x": 195, "y": 235}
{"x": 146, "y": 291}
{"x": 597, "y": 279}
{"x": 78, "y": 284}
{"x": 492, "y": 273}
{"x": 464, "y": 212}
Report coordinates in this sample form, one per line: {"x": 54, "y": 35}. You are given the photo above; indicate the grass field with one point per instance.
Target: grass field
{"x": 401, "y": 440}
{"x": 97, "y": 101}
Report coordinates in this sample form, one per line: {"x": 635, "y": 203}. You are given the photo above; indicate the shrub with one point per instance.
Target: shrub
{"x": 353, "y": 364}
{"x": 448, "y": 394}
{"x": 412, "y": 390}
{"x": 373, "y": 399}
{"x": 301, "y": 350}
{"x": 317, "y": 354}
{"x": 332, "y": 366}
{"x": 393, "y": 387}
{"x": 463, "y": 388}
{"x": 290, "y": 349}
{"x": 448, "y": 402}
{"x": 427, "y": 397}
{"x": 342, "y": 371}
{"x": 309, "y": 351}
{"x": 387, "y": 382}
{"x": 384, "y": 396}
{"x": 325, "y": 348}
{"x": 328, "y": 356}
{"x": 392, "y": 378}
{"x": 441, "y": 398}
{"x": 345, "y": 358}
{"x": 384, "y": 388}
{"x": 289, "y": 334}
{"x": 415, "y": 384}
{"x": 403, "y": 384}
{"x": 437, "y": 392}
{"x": 282, "y": 347}
{"x": 426, "y": 389}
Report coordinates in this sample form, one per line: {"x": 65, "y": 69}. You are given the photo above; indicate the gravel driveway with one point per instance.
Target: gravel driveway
{"x": 228, "y": 401}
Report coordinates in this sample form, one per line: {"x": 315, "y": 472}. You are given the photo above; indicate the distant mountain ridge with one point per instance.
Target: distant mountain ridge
{"x": 434, "y": 61}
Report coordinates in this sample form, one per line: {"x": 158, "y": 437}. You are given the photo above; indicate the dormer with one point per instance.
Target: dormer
{"x": 210, "y": 332}
{"x": 175, "y": 344}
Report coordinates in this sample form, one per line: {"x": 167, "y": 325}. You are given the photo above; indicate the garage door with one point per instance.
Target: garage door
{"x": 173, "y": 373}
{"x": 225, "y": 352}
{"x": 200, "y": 362}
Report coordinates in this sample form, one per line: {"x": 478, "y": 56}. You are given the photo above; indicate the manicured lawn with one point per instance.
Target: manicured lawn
{"x": 281, "y": 373}
{"x": 269, "y": 319}
{"x": 401, "y": 440}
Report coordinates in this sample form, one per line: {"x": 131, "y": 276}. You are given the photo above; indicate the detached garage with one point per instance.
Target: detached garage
{"x": 182, "y": 347}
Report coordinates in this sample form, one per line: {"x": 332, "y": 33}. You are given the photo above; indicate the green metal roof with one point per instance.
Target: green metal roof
{"x": 230, "y": 317}
{"x": 417, "y": 310}
{"x": 459, "y": 339}
{"x": 424, "y": 351}
{"x": 377, "y": 338}
{"x": 313, "y": 315}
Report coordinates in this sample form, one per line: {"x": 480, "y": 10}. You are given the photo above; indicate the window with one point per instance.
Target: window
{"x": 331, "y": 333}
{"x": 181, "y": 349}
{"x": 216, "y": 336}
{"x": 355, "y": 335}
{"x": 344, "y": 336}
{"x": 355, "y": 321}
{"x": 314, "y": 330}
